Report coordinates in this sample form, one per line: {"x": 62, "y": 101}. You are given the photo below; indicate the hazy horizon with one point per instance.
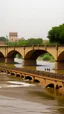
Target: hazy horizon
{"x": 30, "y": 18}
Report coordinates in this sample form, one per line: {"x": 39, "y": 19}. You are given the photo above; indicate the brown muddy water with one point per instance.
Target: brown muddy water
{"x": 21, "y": 97}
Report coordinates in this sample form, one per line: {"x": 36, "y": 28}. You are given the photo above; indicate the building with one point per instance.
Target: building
{"x": 2, "y": 43}
{"x": 13, "y": 36}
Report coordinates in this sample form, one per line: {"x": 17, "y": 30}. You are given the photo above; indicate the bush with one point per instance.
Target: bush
{"x": 46, "y": 57}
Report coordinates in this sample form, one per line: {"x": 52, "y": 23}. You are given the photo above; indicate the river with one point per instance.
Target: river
{"x": 18, "y": 96}
{"x": 41, "y": 65}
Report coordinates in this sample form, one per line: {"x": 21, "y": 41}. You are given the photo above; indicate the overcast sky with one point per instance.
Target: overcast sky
{"x": 30, "y": 18}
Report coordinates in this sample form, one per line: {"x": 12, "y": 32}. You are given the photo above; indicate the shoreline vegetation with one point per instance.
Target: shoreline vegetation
{"x": 46, "y": 57}
{"x": 51, "y": 59}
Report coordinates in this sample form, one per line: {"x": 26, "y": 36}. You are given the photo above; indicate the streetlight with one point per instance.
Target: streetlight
{"x": 7, "y": 39}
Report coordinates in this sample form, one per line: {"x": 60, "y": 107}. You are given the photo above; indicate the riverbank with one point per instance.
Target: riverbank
{"x": 50, "y": 60}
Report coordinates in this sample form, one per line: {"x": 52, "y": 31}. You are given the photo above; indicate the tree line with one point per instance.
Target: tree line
{"x": 55, "y": 36}
{"x": 23, "y": 42}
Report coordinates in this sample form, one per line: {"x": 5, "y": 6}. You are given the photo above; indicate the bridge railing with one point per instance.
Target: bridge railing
{"x": 38, "y": 45}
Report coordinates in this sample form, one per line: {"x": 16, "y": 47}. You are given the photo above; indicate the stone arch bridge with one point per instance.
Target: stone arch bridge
{"x": 31, "y": 53}
{"x": 46, "y": 79}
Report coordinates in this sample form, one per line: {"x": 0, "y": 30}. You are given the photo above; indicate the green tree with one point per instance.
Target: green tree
{"x": 2, "y": 38}
{"x": 56, "y": 34}
{"x": 34, "y": 41}
{"x": 28, "y": 42}
{"x": 21, "y": 42}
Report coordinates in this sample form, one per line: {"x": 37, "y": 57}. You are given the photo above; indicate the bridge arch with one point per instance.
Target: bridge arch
{"x": 51, "y": 85}
{"x": 61, "y": 57}
{"x": 11, "y": 55}
{"x": 28, "y": 78}
{"x": 2, "y": 58}
{"x": 32, "y": 55}
{"x": 60, "y": 61}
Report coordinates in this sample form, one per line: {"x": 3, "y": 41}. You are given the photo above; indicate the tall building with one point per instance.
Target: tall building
{"x": 13, "y": 36}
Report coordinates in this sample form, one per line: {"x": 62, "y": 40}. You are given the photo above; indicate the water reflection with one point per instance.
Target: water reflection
{"x": 41, "y": 65}
{"x": 57, "y": 67}
{"x": 59, "y": 96}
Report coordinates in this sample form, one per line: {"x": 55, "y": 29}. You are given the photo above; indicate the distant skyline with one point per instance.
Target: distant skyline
{"x": 30, "y": 18}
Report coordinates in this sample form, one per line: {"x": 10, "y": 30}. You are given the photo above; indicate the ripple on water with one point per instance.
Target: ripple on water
{"x": 16, "y": 84}
{"x": 19, "y": 106}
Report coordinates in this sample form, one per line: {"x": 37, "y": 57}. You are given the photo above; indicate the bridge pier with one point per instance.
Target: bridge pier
{"x": 29, "y": 62}
{"x": 9, "y": 60}
{"x": 5, "y": 60}
{"x": 2, "y": 59}
{"x": 59, "y": 65}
